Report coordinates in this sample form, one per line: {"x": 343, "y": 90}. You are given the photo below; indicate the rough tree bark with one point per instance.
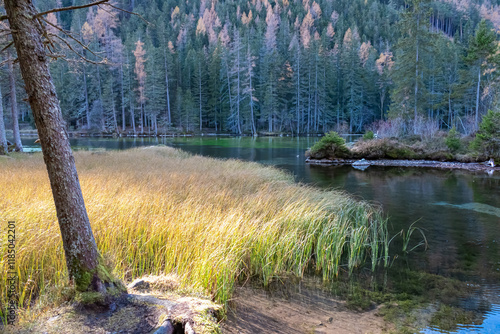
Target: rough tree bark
{"x": 82, "y": 257}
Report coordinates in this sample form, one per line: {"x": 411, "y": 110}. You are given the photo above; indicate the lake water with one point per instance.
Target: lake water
{"x": 459, "y": 211}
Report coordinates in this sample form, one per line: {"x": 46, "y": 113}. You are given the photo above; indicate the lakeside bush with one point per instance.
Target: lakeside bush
{"x": 369, "y": 135}
{"x": 487, "y": 141}
{"x": 330, "y": 145}
{"x": 453, "y": 140}
{"x": 382, "y": 149}
{"x": 210, "y": 222}
{"x": 442, "y": 146}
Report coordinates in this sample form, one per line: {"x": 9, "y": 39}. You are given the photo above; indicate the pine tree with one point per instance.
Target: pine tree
{"x": 200, "y": 83}
{"x": 410, "y": 68}
{"x": 248, "y": 85}
{"x": 353, "y": 90}
{"x": 236, "y": 73}
{"x": 269, "y": 66}
{"x": 384, "y": 66}
{"x": 297, "y": 66}
{"x": 480, "y": 57}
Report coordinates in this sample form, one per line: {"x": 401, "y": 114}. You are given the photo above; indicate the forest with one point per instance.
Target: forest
{"x": 266, "y": 67}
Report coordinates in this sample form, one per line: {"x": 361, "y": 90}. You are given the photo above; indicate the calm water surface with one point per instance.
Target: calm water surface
{"x": 459, "y": 210}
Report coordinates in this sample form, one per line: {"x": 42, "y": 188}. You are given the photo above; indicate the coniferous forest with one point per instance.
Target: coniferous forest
{"x": 259, "y": 66}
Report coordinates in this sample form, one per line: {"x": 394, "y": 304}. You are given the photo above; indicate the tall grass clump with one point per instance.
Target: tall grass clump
{"x": 210, "y": 222}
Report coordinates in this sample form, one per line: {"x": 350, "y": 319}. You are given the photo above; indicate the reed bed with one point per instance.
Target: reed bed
{"x": 211, "y": 222}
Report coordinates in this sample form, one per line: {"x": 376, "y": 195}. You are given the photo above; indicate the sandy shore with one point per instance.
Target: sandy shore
{"x": 304, "y": 311}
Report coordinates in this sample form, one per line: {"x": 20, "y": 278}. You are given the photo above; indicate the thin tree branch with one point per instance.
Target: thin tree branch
{"x": 107, "y": 11}
{"x": 4, "y": 62}
{"x": 55, "y": 10}
{"x": 3, "y": 17}
{"x": 103, "y": 62}
{"x": 76, "y": 52}
{"x": 56, "y": 56}
{"x": 126, "y": 11}
{"x": 95, "y": 3}
{"x": 8, "y": 46}
{"x": 69, "y": 35}
{"x": 5, "y": 33}
{"x": 46, "y": 35}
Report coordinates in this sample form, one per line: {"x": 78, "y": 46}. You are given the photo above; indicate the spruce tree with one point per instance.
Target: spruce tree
{"x": 410, "y": 68}
{"x": 480, "y": 57}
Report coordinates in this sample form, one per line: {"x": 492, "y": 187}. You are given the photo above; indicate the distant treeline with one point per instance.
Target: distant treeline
{"x": 271, "y": 66}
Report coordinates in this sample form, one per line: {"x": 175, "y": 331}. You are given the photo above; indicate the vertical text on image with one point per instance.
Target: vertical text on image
{"x": 11, "y": 273}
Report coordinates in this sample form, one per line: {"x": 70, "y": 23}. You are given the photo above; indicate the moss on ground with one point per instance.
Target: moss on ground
{"x": 113, "y": 286}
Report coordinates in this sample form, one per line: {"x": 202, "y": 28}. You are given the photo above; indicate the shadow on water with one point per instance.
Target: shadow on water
{"x": 458, "y": 210}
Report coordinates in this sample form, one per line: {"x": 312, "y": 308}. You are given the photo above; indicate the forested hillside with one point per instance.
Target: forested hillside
{"x": 264, "y": 66}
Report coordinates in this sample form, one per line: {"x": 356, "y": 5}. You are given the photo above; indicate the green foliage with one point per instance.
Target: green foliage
{"x": 331, "y": 145}
{"x": 453, "y": 140}
{"x": 400, "y": 152}
{"x": 328, "y": 74}
{"x": 369, "y": 135}
{"x": 487, "y": 139}
{"x": 407, "y": 237}
{"x": 89, "y": 298}
{"x": 482, "y": 45}
{"x": 413, "y": 57}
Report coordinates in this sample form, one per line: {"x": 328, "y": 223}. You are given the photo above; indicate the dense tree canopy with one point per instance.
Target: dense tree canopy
{"x": 272, "y": 66}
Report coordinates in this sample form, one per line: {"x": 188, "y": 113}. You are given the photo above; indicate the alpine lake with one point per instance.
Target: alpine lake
{"x": 448, "y": 280}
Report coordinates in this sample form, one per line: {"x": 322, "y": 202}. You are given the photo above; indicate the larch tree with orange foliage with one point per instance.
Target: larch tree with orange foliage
{"x": 140, "y": 75}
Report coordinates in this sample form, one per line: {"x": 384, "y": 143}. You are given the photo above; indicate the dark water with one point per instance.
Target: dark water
{"x": 458, "y": 211}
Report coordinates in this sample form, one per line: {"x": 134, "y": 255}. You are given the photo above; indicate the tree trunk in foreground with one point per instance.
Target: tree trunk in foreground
{"x": 80, "y": 248}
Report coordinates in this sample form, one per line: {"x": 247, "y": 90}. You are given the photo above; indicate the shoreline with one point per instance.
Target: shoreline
{"x": 361, "y": 164}
{"x": 208, "y": 133}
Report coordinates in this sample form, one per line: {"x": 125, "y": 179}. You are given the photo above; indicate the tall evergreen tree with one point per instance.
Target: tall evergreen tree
{"x": 410, "y": 68}
{"x": 481, "y": 57}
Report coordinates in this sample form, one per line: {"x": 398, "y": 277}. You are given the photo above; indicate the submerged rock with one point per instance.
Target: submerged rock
{"x": 361, "y": 162}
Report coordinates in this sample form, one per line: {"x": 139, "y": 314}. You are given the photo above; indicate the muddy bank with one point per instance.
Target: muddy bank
{"x": 472, "y": 166}
{"x": 303, "y": 311}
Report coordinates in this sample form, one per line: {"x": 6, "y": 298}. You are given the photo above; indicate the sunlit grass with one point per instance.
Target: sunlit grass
{"x": 210, "y": 222}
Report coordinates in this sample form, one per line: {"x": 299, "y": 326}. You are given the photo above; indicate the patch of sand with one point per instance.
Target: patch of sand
{"x": 303, "y": 311}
